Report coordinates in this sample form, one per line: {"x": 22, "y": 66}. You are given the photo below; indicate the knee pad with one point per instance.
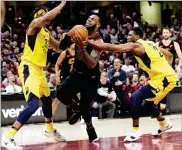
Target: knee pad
{"x": 47, "y": 106}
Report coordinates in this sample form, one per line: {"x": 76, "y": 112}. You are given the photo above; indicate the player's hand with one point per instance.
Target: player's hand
{"x": 116, "y": 74}
{"x": 78, "y": 42}
{"x": 58, "y": 80}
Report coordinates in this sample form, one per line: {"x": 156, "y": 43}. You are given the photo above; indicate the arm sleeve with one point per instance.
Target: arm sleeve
{"x": 111, "y": 76}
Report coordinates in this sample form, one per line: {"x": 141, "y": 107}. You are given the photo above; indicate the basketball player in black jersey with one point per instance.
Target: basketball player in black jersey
{"x": 172, "y": 46}
{"x": 84, "y": 78}
{"x": 63, "y": 67}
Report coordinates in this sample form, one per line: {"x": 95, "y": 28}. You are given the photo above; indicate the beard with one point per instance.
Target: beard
{"x": 166, "y": 38}
{"x": 91, "y": 28}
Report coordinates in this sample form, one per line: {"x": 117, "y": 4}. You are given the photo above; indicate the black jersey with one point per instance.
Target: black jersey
{"x": 67, "y": 65}
{"x": 79, "y": 65}
{"x": 171, "y": 49}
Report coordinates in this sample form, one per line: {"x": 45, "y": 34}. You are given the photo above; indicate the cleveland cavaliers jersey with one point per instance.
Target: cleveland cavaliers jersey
{"x": 79, "y": 65}
{"x": 171, "y": 49}
{"x": 67, "y": 64}
{"x": 36, "y": 48}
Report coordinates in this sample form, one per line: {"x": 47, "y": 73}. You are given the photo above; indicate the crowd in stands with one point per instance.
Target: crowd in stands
{"x": 118, "y": 69}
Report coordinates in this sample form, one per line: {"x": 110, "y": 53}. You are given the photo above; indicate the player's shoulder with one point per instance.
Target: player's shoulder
{"x": 97, "y": 36}
{"x": 63, "y": 54}
{"x": 175, "y": 43}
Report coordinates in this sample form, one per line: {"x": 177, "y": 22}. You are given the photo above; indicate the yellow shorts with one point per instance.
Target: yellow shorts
{"x": 33, "y": 80}
{"x": 161, "y": 87}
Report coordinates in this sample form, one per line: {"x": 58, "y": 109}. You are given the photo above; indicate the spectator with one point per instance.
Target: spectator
{"x": 112, "y": 22}
{"x": 127, "y": 67}
{"x": 176, "y": 25}
{"x": 52, "y": 81}
{"x": 166, "y": 16}
{"x": 106, "y": 96}
{"x": 114, "y": 36}
{"x": 5, "y": 81}
{"x": 117, "y": 78}
{"x": 12, "y": 87}
{"x": 142, "y": 80}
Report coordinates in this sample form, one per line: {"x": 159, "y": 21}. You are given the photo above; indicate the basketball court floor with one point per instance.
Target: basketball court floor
{"x": 110, "y": 131}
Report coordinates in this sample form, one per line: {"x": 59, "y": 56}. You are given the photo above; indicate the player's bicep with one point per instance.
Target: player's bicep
{"x": 61, "y": 58}
{"x": 40, "y": 22}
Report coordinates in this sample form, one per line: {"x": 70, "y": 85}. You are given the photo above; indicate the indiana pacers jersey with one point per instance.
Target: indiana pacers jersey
{"x": 36, "y": 47}
{"x": 154, "y": 61}
{"x": 163, "y": 77}
{"x": 31, "y": 68}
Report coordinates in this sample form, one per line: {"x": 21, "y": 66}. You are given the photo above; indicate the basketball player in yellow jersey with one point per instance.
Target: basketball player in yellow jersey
{"x": 35, "y": 86}
{"x": 163, "y": 78}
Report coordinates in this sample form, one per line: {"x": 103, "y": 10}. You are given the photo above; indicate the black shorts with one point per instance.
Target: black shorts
{"x": 75, "y": 83}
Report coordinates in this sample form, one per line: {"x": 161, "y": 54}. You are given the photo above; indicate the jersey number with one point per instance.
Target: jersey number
{"x": 160, "y": 53}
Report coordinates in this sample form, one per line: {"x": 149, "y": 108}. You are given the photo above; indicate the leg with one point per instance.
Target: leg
{"x": 88, "y": 93}
{"x": 55, "y": 103}
{"x": 33, "y": 105}
{"x": 136, "y": 101}
{"x": 68, "y": 89}
{"x": 47, "y": 110}
{"x": 111, "y": 111}
{"x": 121, "y": 95}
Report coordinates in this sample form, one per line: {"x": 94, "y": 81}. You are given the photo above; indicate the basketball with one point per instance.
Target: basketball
{"x": 80, "y": 31}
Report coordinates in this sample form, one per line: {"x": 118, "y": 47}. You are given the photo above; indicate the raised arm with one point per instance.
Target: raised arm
{"x": 55, "y": 44}
{"x": 49, "y": 16}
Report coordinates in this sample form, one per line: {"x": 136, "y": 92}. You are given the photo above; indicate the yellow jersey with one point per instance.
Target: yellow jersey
{"x": 154, "y": 61}
{"x": 36, "y": 48}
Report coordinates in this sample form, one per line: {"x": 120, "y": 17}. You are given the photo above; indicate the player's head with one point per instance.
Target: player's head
{"x": 135, "y": 34}
{"x": 166, "y": 33}
{"x": 39, "y": 12}
{"x": 93, "y": 23}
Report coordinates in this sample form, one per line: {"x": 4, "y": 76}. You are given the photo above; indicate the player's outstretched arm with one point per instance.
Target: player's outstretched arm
{"x": 49, "y": 16}
{"x": 133, "y": 47}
